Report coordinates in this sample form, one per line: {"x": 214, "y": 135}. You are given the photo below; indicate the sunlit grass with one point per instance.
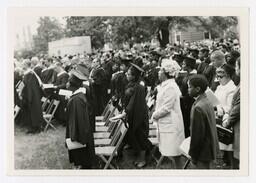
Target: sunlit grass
{"x": 47, "y": 150}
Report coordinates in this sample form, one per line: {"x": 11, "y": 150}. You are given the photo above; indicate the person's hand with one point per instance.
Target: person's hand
{"x": 225, "y": 124}
{"x": 225, "y": 120}
{"x": 220, "y": 111}
{"x": 67, "y": 97}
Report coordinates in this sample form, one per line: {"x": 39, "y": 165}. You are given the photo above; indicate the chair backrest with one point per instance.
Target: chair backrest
{"x": 108, "y": 112}
{"x": 53, "y": 107}
{"x": 110, "y": 115}
{"x": 106, "y": 108}
{"x": 45, "y": 103}
{"x": 119, "y": 134}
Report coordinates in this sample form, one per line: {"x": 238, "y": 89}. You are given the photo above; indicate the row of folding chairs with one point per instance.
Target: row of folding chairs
{"x": 107, "y": 134}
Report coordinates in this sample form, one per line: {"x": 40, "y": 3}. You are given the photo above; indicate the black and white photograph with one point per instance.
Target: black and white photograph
{"x": 135, "y": 92}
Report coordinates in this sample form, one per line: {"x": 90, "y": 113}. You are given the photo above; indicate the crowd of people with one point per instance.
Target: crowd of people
{"x": 177, "y": 77}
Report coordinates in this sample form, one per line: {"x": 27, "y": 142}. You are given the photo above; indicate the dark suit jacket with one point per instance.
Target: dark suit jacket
{"x": 204, "y": 140}
{"x": 234, "y": 121}
{"x": 208, "y": 71}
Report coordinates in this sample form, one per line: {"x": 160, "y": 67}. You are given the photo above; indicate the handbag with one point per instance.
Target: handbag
{"x": 225, "y": 136}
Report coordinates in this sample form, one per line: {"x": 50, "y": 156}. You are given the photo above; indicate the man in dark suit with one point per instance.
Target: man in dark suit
{"x": 234, "y": 121}
{"x": 204, "y": 141}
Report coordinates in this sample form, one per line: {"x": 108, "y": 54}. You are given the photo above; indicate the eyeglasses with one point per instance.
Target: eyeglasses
{"x": 220, "y": 76}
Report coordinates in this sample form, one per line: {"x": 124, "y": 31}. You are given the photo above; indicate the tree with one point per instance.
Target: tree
{"x": 49, "y": 30}
{"x": 131, "y": 29}
{"x": 87, "y": 26}
{"x": 219, "y": 26}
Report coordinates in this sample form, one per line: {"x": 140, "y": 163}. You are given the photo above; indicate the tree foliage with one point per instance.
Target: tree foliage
{"x": 219, "y": 26}
{"x": 127, "y": 29}
{"x": 49, "y": 30}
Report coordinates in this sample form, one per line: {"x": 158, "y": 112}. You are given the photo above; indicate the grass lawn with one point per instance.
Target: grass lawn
{"x": 47, "y": 150}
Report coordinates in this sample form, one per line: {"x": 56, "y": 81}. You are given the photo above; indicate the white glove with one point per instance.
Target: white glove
{"x": 225, "y": 120}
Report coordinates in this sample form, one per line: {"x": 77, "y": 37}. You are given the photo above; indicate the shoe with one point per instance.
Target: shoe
{"x": 127, "y": 146}
{"x": 140, "y": 164}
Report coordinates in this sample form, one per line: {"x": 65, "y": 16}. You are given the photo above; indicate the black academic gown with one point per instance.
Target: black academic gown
{"x": 61, "y": 82}
{"x": 108, "y": 74}
{"x": 38, "y": 70}
{"x": 186, "y": 103}
{"x": 121, "y": 82}
{"x": 99, "y": 89}
{"x": 79, "y": 129}
{"x": 32, "y": 115}
{"x": 48, "y": 75}
{"x": 137, "y": 117}
{"x": 17, "y": 79}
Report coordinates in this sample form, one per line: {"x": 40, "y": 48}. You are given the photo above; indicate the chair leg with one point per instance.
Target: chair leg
{"x": 186, "y": 164}
{"x": 173, "y": 162}
{"x": 108, "y": 164}
{"x": 48, "y": 124}
{"x": 159, "y": 161}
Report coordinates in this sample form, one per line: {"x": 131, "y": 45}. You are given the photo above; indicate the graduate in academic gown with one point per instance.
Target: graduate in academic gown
{"x": 137, "y": 116}
{"x": 119, "y": 82}
{"x": 32, "y": 114}
{"x": 78, "y": 124}
{"x": 48, "y": 74}
{"x": 97, "y": 80}
{"x": 60, "y": 83}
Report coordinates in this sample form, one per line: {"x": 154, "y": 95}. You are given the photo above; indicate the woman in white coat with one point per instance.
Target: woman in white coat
{"x": 224, "y": 93}
{"x": 168, "y": 112}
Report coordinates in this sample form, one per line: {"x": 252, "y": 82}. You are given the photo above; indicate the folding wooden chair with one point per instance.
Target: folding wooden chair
{"x": 45, "y": 104}
{"x": 187, "y": 161}
{"x": 112, "y": 139}
{"x": 184, "y": 147}
{"x": 50, "y": 113}
{"x": 107, "y": 153}
{"x": 16, "y": 111}
{"x": 154, "y": 141}
{"x": 104, "y": 125}
{"x": 101, "y": 118}
{"x": 101, "y": 121}
{"x": 106, "y": 134}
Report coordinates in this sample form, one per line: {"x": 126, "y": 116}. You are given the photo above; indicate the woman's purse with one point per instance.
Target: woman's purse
{"x": 225, "y": 136}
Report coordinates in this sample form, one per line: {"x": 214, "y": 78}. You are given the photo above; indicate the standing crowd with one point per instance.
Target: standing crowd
{"x": 178, "y": 78}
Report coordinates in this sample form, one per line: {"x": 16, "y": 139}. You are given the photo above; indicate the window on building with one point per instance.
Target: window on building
{"x": 206, "y": 35}
{"x": 178, "y": 38}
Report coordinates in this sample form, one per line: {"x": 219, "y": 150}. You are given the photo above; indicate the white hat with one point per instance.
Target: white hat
{"x": 170, "y": 66}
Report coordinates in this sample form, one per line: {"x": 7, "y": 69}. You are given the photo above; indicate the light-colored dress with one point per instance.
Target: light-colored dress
{"x": 169, "y": 118}
{"x": 225, "y": 95}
